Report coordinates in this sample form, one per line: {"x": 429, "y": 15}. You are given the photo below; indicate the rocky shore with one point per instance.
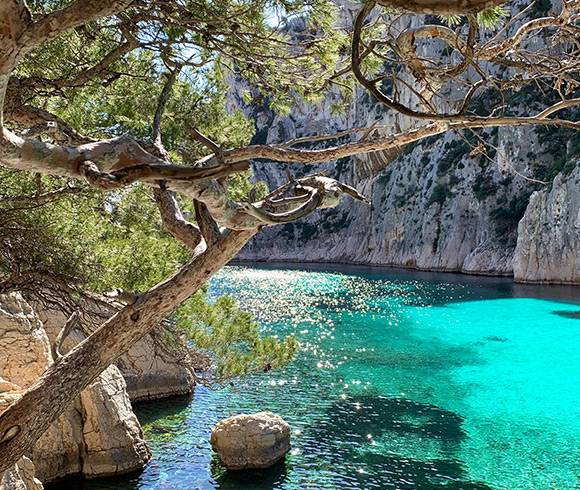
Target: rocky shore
{"x": 99, "y": 435}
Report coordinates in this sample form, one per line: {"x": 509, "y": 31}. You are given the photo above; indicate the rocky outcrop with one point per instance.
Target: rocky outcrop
{"x": 152, "y": 368}
{"x": 25, "y": 349}
{"x": 99, "y": 435}
{"x": 20, "y": 477}
{"x": 548, "y": 246}
{"x": 257, "y": 440}
{"x": 442, "y": 204}
{"x": 111, "y": 432}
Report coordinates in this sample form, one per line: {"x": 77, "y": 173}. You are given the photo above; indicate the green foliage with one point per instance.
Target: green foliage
{"x": 484, "y": 187}
{"x": 241, "y": 187}
{"x": 541, "y": 8}
{"x": 484, "y": 103}
{"x": 487, "y": 18}
{"x": 492, "y": 16}
{"x": 561, "y": 152}
{"x": 439, "y": 194}
{"x": 508, "y": 215}
{"x": 211, "y": 35}
{"x": 335, "y": 221}
{"x": 99, "y": 241}
{"x": 231, "y": 337}
{"x": 385, "y": 177}
{"x": 129, "y": 244}
{"x": 455, "y": 151}
{"x": 547, "y": 173}
{"x": 451, "y": 20}
{"x": 31, "y": 238}
{"x": 103, "y": 241}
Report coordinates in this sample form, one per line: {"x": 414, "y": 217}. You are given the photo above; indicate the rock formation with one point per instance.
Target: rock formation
{"x": 442, "y": 204}
{"x": 246, "y": 441}
{"x": 548, "y": 247}
{"x": 152, "y": 368}
{"x": 20, "y": 477}
{"x": 98, "y": 436}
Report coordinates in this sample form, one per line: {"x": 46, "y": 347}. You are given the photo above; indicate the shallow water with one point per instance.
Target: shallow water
{"x": 405, "y": 381}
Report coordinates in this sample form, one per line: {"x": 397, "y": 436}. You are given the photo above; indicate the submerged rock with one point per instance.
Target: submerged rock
{"x": 248, "y": 441}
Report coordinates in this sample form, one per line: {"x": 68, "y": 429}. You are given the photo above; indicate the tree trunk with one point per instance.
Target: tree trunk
{"x": 26, "y": 420}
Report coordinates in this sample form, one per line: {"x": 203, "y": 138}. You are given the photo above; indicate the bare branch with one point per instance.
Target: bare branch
{"x": 313, "y": 201}
{"x": 81, "y": 12}
{"x": 207, "y": 142}
{"x": 430, "y": 76}
{"x": 62, "y": 335}
{"x": 382, "y": 143}
{"x": 162, "y": 102}
{"x": 154, "y": 172}
{"x": 563, "y": 104}
{"x": 41, "y": 122}
{"x": 45, "y": 197}
{"x": 209, "y": 228}
{"x": 173, "y": 219}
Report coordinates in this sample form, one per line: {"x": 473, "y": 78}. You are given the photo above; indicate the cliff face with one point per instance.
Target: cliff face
{"x": 549, "y": 234}
{"x": 152, "y": 369}
{"x": 98, "y": 436}
{"x": 442, "y": 204}
{"x": 440, "y": 207}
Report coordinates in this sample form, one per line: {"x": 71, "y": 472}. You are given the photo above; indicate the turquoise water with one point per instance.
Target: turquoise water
{"x": 405, "y": 381}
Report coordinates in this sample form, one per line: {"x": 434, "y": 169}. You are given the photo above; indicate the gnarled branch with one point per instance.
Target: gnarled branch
{"x": 62, "y": 335}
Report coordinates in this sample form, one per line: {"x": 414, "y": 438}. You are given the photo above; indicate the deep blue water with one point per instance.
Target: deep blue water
{"x": 404, "y": 381}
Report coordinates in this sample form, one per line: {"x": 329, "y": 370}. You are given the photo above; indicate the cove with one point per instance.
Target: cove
{"x": 405, "y": 380}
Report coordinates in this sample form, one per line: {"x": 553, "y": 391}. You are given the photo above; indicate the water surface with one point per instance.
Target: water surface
{"x": 405, "y": 381}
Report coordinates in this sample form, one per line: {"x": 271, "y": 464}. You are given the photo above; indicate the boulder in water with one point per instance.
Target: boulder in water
{"x": 246, "y": 441}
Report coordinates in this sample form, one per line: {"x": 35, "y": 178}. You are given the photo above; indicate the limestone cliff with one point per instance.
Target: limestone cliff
{"x": 98, "y": 436}
{"x": 549, "y": 234}
{"x": 442, "y": 204}
{"x": 20, "y": 477}
{"x": 152, "y": 368}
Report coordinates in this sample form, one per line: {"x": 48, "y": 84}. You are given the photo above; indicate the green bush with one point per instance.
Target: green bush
{"x": 439, "y": 194}
{"x": 456, "y": 150}
{"x": 507, "y": 217}
{"x": 484, "y": 187}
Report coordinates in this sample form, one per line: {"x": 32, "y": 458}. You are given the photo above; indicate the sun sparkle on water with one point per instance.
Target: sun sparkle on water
{"x": 402, "y": 382}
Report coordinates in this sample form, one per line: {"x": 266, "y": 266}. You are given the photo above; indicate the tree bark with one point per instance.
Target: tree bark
{"x": 28, "y": 418}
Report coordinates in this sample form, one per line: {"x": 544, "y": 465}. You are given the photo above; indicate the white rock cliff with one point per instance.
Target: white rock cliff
{"x": 439, "y": 205}
{"x": 98, "y": 436}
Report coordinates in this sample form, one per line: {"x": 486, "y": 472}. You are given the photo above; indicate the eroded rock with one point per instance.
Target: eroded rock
{"x": 98, "y": 435}
{"x": 111, "y": 432}
{"x": 247, "y": 441}
{"x": 20, "y": 477}
{"x": 152, "y": 369}
{"x": 548, "y": 247}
